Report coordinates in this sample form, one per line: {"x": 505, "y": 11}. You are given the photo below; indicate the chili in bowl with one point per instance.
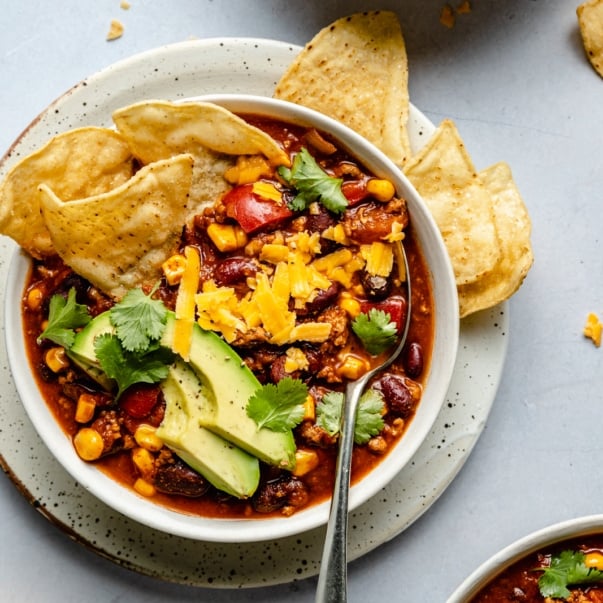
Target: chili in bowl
{"x": 293, "y": 293}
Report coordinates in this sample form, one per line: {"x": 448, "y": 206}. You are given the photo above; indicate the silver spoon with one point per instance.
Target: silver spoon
{"x": 332, "y": 580}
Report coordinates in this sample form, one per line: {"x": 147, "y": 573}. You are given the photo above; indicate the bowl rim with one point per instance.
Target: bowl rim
{"x": 523, "y": 546}
{"x": 217, "y": 530}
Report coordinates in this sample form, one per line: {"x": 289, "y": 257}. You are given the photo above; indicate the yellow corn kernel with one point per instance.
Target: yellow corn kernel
{"x": 305, "y": 461}
{"x": 350, "y": 304}
{"x": 295, "y": 360}
{"x": 88, "y": 444}
{"x": 267, "y": 190}
{"x": 352, "y": 367}
{"x": 146, "y": 438}
{"x": 143, "y": 461}
{"x": 227, "y": 237}
{"x": 594, "y": 559}
{"x": 35, "y": 297}
{"x": 309, "y": 409}
{"x": 56, "y": 359}
{"x": 144, "y": 488}
{"x": 85, "y": 407}
{"x": 382, "y": 190}
{"x": 173, "y": 268}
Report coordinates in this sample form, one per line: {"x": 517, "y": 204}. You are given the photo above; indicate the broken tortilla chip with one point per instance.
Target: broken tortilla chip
{"x": 513, "y": 227}
{"x": 123, "y": 236}
{"x": 78, "y": 163}
{"x": 211, "y": 134}
{"x": 356, "y": 71}
{"x": 590, "y": 21}
{"x": 444, "y": 175}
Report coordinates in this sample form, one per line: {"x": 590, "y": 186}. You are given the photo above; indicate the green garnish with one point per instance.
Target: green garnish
{"x": 369, "y": 418}
{"x": 312, "y": 184}
{"x": 376, "y": 330}
{"x": 566, "y": 569}
{"x": 278, "y": 407}
{"x": 128, "y": 368}
{"x": 139, "y": 320}
{"x": 64, "y": 316}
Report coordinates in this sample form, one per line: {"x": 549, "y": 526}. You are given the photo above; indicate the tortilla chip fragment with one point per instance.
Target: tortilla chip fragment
{"x": 356, "y": 71}
{"x": 118, "y": 240}
{"x": 593, "y": 328}
{"x": 78, "y": 163}
{"x": 590, "y": 20}
{"x": 211, "y": 134}
{"x": 513, "y": 228}
{"x": 116, "y": 30}
{"x": 444, "y": 175}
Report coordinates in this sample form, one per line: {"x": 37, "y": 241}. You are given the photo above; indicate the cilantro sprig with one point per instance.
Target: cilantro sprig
{"x": 369, "y": 417}
{"x": 376, "y": 330}
{"x": 65, "y": 315}
{"x": 566, "y": 569}
{"x": 279, "y": 406}
{"x": 312, "y": 183}
{"x": 138, "y": 319}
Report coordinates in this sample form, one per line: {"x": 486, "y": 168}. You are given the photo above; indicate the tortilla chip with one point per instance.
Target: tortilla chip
{"x": 444, "y": 175}
{"x": 356, "y": 71}
{"x": 513, "y": 227}
{"x": 590, "y": 20}
{"x": 79, "y": 163}
{"x": 123, "y": 236}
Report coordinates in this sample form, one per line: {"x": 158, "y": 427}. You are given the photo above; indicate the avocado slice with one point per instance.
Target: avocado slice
{"x": 82, "y": 351}
{"x": 224, "y": 465}
{"x": 231, "y": 383}
{"x": 227, "y": 379}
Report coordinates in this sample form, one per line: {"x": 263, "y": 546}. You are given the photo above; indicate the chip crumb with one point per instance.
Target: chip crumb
{"x": 124, "y": 4}
{"x": 463, "y": 8}
{"x": 116, "y": 30}
{"x": 593, "y": 328}
{"x": 447, "y": 16}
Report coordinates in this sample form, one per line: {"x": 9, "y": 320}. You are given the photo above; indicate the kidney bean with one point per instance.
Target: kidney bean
{"x": 375, "y": 287}
{"x": 397, "y": 396}
{"x": 234, "y": 270}
{"x": 413, "y": 360}
{"x": 324, "y": 298}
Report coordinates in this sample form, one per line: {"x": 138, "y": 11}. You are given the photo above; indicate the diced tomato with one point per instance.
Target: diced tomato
{"x": 252, "y": 212}
{"x": 354, "y": 191}
{"x": 139, "y": 400}
{"x": 396, "y": 306}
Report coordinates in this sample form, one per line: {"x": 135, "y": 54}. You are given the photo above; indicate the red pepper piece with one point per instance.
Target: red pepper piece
{"x": 139, "y": 400}
{"x": 396, "y": 306}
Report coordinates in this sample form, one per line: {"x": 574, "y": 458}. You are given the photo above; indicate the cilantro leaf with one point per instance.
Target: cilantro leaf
{"x": 64, "y": 316}
{"x": 369, "y": 417}
{"x": 376, "y": 330}
{"x": 278, "y": 407}
{"x": 138, "y": 319}
{"x": 128, "y": 368}
{"x": 312, "y": 183}
{"x": 566, "y": 569}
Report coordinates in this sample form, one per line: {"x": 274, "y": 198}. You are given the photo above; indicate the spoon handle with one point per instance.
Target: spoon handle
{"x": 332, "y": 580}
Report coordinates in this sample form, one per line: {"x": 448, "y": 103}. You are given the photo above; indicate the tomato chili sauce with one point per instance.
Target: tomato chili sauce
{"x": 519, "y": 582}
{"x": 279, "y": 492}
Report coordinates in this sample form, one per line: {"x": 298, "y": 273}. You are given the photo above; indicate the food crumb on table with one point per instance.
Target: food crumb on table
{"x": 593, "y": 328}
{"x": 116, "y": 30}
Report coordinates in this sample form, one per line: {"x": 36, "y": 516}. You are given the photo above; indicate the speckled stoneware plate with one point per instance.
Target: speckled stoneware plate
{"x": 233, "y": 66}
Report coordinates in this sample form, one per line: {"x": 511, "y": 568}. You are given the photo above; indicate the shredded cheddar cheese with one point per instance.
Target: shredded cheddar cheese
{"x": 185, "y": 302}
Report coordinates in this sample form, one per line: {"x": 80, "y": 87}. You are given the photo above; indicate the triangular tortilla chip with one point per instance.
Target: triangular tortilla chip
{"x": 79, "y": 163}
{"x": 211, "y": 134}
{"x": 590, "y": 20}
{"x": 444, "y": 175}
{"x": 356, "y": 71}
{"x": 118, "y": 240}
{"x": 513, "y": 227}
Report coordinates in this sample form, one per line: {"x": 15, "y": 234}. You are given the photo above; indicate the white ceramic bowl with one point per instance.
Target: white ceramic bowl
{"x": 441, "y": 366}
{"x": 540, "y": 539}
